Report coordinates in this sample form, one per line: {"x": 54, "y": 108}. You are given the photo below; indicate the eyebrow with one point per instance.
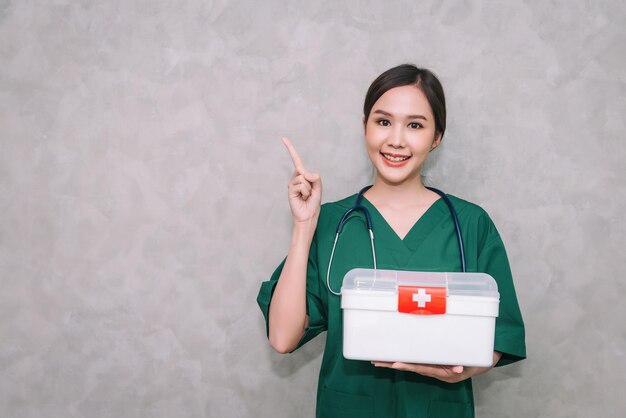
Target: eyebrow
{"x": 382, "y": 112}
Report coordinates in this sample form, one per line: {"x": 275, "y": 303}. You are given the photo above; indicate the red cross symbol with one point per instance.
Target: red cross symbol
{"x": 421, "y": 300}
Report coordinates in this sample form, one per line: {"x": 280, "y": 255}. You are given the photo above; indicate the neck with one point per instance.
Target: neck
{"x": 407, "y": 193}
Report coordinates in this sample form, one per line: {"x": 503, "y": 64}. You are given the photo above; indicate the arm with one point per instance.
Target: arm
{"x": 287, "y": 312}
{"x": 287, "y": 315}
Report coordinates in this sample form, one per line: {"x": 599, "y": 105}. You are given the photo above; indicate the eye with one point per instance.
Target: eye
{"x": 383, "y": 122}
{"x": 414, "y": 125}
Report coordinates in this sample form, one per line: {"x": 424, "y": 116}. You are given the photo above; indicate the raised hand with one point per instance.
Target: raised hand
{"x": 304, "y": 189}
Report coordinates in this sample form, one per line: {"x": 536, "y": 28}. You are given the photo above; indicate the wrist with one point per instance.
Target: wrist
{"x": 304, "y": 230}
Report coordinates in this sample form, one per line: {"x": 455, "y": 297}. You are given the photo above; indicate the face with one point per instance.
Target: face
{"x": 399, "y": 133}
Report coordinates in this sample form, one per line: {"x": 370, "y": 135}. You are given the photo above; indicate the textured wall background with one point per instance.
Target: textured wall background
{"x": 143, "y": 190}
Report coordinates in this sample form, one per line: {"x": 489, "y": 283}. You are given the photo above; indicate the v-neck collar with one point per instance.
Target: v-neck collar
{"x": 418, "y": 232}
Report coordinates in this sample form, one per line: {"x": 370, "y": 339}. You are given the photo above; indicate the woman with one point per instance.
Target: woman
{"x": 404, "y": 120}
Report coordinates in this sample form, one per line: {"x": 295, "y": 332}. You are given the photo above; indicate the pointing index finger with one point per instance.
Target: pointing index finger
{"x": 297, "y": 162}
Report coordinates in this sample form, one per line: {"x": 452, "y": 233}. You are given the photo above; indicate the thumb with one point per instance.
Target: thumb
{"x": 311, "y": 177}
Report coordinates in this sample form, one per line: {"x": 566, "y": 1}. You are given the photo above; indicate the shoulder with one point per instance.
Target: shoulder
{"x": 338, "y": 206}
{"x": 467, "y": 209}
{"x": 474, "y": 218}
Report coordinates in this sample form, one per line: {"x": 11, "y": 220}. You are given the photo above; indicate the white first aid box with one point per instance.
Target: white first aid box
{"x": 419, "y": 317}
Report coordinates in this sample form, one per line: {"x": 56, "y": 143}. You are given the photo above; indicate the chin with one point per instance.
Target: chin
{"x": 396, "y": 175}
{"x": 393, "y": 180}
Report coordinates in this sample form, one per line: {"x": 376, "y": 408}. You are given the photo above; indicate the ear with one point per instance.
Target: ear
{"x": 436, "y": 141}
{"x": 364, "y": 125}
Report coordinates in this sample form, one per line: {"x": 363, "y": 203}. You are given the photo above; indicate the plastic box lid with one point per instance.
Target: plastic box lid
{"x": 456, "y": 283}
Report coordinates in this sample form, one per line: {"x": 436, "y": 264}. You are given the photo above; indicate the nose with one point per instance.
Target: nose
{"x": 396, "y": 137}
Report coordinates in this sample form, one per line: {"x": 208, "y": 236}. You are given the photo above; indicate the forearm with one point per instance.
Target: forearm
{"x": 287, "y": 314}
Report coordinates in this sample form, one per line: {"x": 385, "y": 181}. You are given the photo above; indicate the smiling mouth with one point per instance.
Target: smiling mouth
{"x": 394, "y": 158}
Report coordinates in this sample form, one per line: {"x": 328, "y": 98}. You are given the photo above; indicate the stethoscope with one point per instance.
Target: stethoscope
{"x": 368, "y": 222}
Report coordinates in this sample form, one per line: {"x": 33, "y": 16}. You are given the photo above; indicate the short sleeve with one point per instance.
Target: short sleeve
{"x": 314, "y": 306}
{"x": 510, "y": 334}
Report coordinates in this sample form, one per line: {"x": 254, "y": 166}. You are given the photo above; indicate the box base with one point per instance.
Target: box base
{"x": 454, "y": 340}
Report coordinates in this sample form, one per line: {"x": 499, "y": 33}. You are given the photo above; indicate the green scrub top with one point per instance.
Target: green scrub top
{"x": 352, "y": 388}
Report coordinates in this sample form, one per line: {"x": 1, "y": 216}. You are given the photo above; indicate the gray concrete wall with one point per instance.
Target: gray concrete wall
{"x": 143, "y": 190}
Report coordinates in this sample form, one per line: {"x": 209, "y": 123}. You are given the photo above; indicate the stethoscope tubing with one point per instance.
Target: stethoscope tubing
{"x": 358, "y": 207}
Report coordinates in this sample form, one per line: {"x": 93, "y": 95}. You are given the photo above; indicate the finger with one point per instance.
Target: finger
{"x": 423, "y": 369}
{"x": 405, "y": 366}
{"x": 382, "y": 364}
{"x": 300, "y": 186}
{"x": 302, "y": 190}
{"x": 315, "y": 180}
{"x": 296, "y": 185}
{"x": 297, "y": 162}
{"x": 300, "y": 179}
{"x": 457, "y": 369}
{"x": 440, "y": 372}
{"x": 311, "y": 177}
{"x": 305, "y": 191}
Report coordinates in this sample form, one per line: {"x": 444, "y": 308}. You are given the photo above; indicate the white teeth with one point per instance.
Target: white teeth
{"x": 395, "y": 159}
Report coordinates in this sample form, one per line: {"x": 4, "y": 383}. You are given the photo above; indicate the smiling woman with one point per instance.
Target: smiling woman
{"x": 404, "y": 119}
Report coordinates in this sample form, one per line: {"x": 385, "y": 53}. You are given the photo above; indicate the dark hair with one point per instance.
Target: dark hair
{"x": 406, "y": 75}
